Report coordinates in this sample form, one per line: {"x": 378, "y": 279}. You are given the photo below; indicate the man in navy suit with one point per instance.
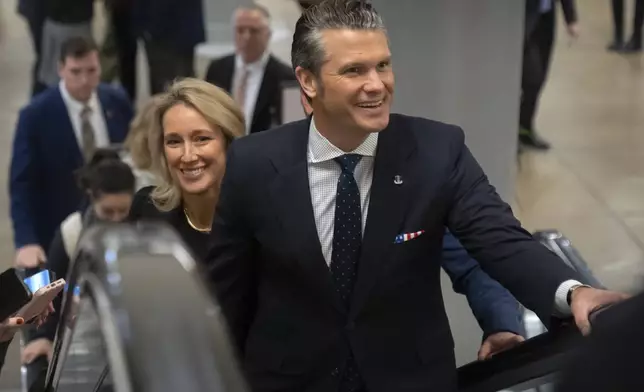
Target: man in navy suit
{"x": 55, "y": 134}
{"x": 327, "y": 237}
{"x": 496, "y": 310}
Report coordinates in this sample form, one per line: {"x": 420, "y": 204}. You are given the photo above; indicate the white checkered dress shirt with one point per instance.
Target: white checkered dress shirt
{"x": 324, "y": 173}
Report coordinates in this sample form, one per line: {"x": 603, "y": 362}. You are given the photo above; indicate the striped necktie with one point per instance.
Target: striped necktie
{"x": 240, "y": 91}
{"x": 88, "y": 138}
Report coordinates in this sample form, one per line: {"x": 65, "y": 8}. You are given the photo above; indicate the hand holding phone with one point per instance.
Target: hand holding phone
{"x": 41, "y": 301}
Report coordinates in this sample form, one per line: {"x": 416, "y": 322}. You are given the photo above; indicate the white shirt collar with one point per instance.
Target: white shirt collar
{"x": 75, "y": 105}
{"x": 252, "y": 67}
{"x": 321, "y": 149}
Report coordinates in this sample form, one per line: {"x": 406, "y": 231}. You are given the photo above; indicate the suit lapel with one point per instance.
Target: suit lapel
{"x": 291, "y": 195}
{"x": 228, "y": 74}
{"x": 387, "y": 206}
{"x": 266, "y": 88}
{"x": 67, "y": 134}
{"x": 109, "y": 115}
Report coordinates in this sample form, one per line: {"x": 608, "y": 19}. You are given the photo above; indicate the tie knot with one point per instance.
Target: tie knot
{"x": 348, "y": 162}
{"x": 86, "y": 111}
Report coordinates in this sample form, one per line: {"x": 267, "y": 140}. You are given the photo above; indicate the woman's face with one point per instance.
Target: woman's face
{"x": 195, "y": 151}
{"x": 112, "y": 207}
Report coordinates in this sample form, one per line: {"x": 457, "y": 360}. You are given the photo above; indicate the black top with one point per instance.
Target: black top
{"x": 3, "y": 352}
{"x": 143, "y": 209}
{"x": 70, "y": 11}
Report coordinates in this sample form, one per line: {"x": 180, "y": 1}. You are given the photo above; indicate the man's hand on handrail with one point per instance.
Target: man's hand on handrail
{"x": 498, "y": 342}
{"x": 587, "y": 300}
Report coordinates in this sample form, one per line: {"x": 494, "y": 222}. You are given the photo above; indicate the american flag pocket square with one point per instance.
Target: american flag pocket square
{"x": 400, "y": 238}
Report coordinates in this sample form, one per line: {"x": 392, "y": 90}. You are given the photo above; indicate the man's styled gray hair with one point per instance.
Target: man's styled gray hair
{"x": 307, "y": 50}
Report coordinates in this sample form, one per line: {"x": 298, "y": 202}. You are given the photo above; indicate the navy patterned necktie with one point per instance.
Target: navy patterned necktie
{"x": 347, "y": 241}
{"x": 347, "y": 232}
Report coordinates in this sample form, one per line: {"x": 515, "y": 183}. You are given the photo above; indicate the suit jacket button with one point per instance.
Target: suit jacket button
{"x": 335, "y": 372}
{"x": 350, "y": 326}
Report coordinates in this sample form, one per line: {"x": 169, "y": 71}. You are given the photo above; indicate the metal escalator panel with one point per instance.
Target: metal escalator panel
{"x": 137, "y": 318}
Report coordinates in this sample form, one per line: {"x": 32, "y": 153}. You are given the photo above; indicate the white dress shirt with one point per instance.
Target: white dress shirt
{"x": 253, "y": 84}
{"x": 324, "y": 173}
{"x": 74, "y": 109}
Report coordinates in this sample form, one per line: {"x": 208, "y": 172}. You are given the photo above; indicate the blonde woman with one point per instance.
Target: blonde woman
{"x": 136, "y": 146}
{"x": 194, "y": 123}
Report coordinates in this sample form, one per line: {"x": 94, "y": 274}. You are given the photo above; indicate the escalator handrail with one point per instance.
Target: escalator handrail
{"x": 540, "y": 356}
{"x": 536, "y": 357}
{"x": 109, "y": 267}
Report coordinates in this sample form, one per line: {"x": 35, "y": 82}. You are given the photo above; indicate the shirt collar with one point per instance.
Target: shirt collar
{"x": 252, "y": 67}
{"x": 76, "y": 105}
{"x": 321, "y": 149}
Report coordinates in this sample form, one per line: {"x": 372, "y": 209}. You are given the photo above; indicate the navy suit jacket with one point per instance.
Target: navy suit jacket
{"x": 290, "y": 327}
{"x": 31, "y": 9}
{"x": 495, "y": 309}
{"x": 46, "y": 154}
{"x": 179, "y": 24}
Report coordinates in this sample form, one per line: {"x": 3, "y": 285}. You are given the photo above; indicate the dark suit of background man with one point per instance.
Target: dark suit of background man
{"x": 252, "y": 75}
{"x": 634, "y": 44}
{"x": 170, "y": 30}
{"x": 327, "y": 238}
{"x": 34, "y": 13}
{"x": 540, "y": 22}
{"x": 54, "y": 134}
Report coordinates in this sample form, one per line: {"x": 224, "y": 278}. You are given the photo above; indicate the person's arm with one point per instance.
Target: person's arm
{"x": 230, "y": 262}
{"x": 570, "y": 11}
{"x": 495, "y": 309}
{"x": 492, "y": 235}
{"x": 23, "y": 180}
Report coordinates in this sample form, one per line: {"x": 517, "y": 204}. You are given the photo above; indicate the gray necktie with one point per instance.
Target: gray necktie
{"x": 88, "y": 139}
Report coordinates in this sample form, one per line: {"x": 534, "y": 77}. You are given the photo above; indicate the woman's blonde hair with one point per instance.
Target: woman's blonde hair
{"x": 136, "y": 142}
{"x": 216, "y": 107}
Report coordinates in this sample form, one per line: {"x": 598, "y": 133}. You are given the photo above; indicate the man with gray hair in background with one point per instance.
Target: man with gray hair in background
{"x": 252, "y": 75}
{"x": 327, "y": 238}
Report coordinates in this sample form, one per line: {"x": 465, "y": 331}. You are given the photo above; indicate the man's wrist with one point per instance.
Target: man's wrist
{"x": 562, "y": 308}
{"x": 573, "y": 291}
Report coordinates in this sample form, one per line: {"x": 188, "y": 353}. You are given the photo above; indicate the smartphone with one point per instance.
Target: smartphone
{"x": 40, "y": 300}
{"x": 39, "y": 280}
{"x": 14, "y": 293}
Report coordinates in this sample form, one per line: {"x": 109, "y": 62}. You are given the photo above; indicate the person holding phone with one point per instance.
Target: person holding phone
{"x": 109, "y": 185}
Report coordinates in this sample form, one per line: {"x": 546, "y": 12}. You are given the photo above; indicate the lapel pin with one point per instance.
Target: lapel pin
{"x": 398, "y": 179}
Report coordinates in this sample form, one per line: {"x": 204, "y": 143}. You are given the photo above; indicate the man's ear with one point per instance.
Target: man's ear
{"x": 308, "y": 82}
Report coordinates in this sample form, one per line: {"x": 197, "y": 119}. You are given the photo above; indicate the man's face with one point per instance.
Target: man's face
{"x": 252, "y": 34}
{"x": 81, "y": 75}
{"x": 356, "y": 83}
